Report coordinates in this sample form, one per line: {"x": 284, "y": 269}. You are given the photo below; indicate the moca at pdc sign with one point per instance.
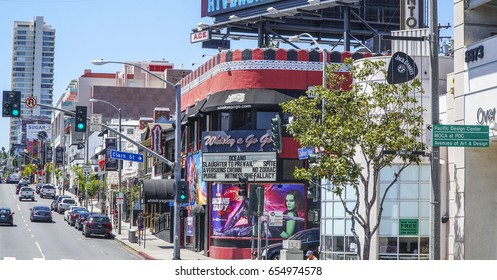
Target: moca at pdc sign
{"x": 229, "y": 167}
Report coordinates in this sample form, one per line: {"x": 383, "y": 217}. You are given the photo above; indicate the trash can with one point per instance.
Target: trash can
{"x": 132, "y": 236}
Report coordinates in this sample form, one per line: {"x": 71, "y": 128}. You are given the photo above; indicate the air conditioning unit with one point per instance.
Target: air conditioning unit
{"x": 291, "y": 244}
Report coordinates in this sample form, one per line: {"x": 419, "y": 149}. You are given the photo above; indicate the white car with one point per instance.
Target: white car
{"x": 65, "y": 204}
{"x": 47, "y": 190}
{"x": 69, "y": 211}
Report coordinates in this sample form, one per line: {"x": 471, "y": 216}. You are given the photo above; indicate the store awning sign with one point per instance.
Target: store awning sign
{"x": 401, "y": 68}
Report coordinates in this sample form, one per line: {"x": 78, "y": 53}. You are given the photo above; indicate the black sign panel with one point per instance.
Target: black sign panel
{"x": 216, "y": 44}
{"x": 59, "y": 155}
{"x": 48, "y": 156}
{"x": 401, "y": 68}
{"x": 111, "y": 164}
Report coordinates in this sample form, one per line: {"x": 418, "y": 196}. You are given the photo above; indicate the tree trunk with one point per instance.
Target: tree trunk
{"x": 367, "y": 248}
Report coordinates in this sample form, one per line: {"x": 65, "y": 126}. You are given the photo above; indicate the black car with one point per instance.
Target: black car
{"x": 6, "y": 216}
{"x": 21, "y": 185}
{"x": 97, "y": 224}
{"x": 41, "y": 213}
{"x": 74, "y": 216}
{"x": 78, "y": 224}
{"x": 309, "y": 239}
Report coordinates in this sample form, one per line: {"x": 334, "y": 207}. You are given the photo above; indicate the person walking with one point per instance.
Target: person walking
{"x": 310, "y": 256}
{"x": 140, "y": 223}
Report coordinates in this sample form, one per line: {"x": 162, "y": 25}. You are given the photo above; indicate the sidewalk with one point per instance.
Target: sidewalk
{"x": 152, "y": 248}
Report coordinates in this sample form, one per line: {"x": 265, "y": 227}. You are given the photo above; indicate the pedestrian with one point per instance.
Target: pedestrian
{"x": 310, "y": 256}
{"x": 139, "y": 222}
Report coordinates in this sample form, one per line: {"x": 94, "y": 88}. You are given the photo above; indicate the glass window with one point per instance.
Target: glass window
{"x": 389, "y": 227}
{"x": 409, "y": 191}
{"x": 264, "y": 119}
{"x": 390, "y": 209}
{"x": 410, "y": 173}
{"x": 392, "y": 192}
{"x": 242, "y": 120}
{"x": 409, "y": 209}
{"x": 224, "y": 120}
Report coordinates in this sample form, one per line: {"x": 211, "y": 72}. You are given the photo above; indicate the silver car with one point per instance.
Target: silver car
{"x": 65, "y": 204}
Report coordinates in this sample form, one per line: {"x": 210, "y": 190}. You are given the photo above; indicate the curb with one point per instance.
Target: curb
{"x": 139, "y": 253}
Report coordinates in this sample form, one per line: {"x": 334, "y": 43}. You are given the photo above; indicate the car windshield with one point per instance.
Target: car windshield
{"x": 26, "y": 189}
{"x": 46, "y": 187}
{"x": 4, "y": 211}
{"x": 69, "y": 201}
{"x": 38, "y": 208}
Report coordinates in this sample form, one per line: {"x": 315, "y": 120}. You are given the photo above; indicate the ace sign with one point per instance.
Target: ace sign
{"x": 200, "y": 36}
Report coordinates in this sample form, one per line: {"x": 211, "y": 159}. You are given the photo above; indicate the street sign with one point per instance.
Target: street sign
{"x": 95, "y": 122}
{"x": 460, "y": 135}
{"x": 126, "y": 156}
{"x": 30, "y": 102}
{"x": 86, "y": 171}
{"x": 305, "y": 152}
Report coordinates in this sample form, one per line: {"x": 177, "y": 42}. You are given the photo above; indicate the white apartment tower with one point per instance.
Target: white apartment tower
{"x": 33, "y": 52}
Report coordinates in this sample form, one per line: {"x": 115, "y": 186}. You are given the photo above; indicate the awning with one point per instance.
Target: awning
{"x": 192, "y": 112}
{"x": 249, "y": 98}
{"x": 158, "y": 191}
{"x": 198, "y": 209}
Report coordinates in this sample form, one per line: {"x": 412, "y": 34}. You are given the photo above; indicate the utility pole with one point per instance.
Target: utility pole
{"x": 435, "y": 119}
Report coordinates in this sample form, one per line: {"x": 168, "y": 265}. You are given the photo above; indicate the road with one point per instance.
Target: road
{"x": 28, "y": 240}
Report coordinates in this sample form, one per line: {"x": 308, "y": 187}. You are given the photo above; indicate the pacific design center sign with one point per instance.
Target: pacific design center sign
{"x": 229, "y": 167}
{"x": 460, "y": 135}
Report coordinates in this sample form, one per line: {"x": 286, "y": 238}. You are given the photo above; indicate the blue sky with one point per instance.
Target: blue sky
{"x": 116, "y": 30}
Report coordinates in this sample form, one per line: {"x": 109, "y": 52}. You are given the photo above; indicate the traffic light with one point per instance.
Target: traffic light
{"x": 256, "y": 200}
{"x": 80, "y": 125}
{"x": 184, "y": 192}
{"x": 242, "y": 186}
{"x": 276, "y": 130}
{"x": 11, "y": 104}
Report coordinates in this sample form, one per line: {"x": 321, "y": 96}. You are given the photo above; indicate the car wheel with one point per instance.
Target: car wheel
{"x": 87, "y": 234}
{"x": 276, "y": 257}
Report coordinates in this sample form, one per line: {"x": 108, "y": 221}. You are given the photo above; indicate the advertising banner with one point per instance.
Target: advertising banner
{"x": 111, "y": 164}
{"x": 237, "y": 141}
{"x": 229, "y": 167}
{"x": 34, "y": 130}
{"x": 59, "y": 155}
{"x": 210, "y": 8}
{"x": 198, "y": 188}
{"x": 286, "y": 201}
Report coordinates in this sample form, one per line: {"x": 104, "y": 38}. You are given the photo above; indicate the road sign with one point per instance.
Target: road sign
{"x": 86, "y": 171}
{"x": 30, "y": 102}
{"x": 95, "y": 122}
{"x": 460, "y": 135}
{"x": 305, "y": 152}
{"x": 126, "y": 156}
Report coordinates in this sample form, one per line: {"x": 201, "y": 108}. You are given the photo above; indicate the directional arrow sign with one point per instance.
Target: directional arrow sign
{"x": 460, "y": 135}
{"x": 126, "y": 156}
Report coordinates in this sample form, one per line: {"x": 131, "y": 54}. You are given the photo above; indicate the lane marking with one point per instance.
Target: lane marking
{"x": 39, "y": 248}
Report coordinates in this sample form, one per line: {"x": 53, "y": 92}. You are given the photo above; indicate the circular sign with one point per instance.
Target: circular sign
{"x": 30, "y": 101}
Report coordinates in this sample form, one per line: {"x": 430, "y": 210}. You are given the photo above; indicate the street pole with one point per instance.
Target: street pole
{"x": 63, "y": 145}
{"x": 435, "y": 119}
{"x": 177, "y": 173}
{"x": 119, "y": 178}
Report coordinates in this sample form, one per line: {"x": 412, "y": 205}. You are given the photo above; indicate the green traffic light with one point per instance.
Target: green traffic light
{"x": 81, "y": 126}
{"x": 182, "y": 196}
{"x": 15, "y": 112}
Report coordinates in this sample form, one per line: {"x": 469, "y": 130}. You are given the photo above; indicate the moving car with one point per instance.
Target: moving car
{"x": 309, "y": 239}
{"x": 47, "y": 191}
{"x": 13, "y": 179}
{"x": 19, "y": 186}
{"x": 57, "y": 200}
{"x": 41, "y": 213}
{"x": 6, "y": 216}
{"x": 26, "y": 193}
{"x": 64, "y": 205}
{"x": 97, "y": 224}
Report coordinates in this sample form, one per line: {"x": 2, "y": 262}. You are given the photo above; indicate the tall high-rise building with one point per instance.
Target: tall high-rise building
{"x": 33, "y": 52}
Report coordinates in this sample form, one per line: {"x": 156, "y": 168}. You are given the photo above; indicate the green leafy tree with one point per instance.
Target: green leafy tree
{"x": 132, "y": 195}
{"x": 354, "y": 124}
{"x": 29, "y": 169}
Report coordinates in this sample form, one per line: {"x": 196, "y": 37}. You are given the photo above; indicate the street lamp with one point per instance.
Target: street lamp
{"x": 177, "y": 148}
{"x": 119, "y": 169}
{"x": 296, "y": 38}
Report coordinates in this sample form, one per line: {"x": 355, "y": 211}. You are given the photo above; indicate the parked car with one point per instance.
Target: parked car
{"x": 26, "y": 193}
{"x": 47, "y": 191}
{"x": 64, "y": 205}
{"x": 309, "y": 239}
{"x": 75, "y": 216}
{"x": 97, "y": 224}
{"x": 19, "y": 186}
{"x": 6, "y": 216}
{"x": 41, "y": 213}
{"x": 25, "y": 180}
{"x": 81, "y": 219}
{"x": 57, "y": 200}
{"x": 68, "y": 213}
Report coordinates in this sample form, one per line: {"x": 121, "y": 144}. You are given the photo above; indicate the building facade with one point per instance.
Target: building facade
{"x": 33, "y": 58}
